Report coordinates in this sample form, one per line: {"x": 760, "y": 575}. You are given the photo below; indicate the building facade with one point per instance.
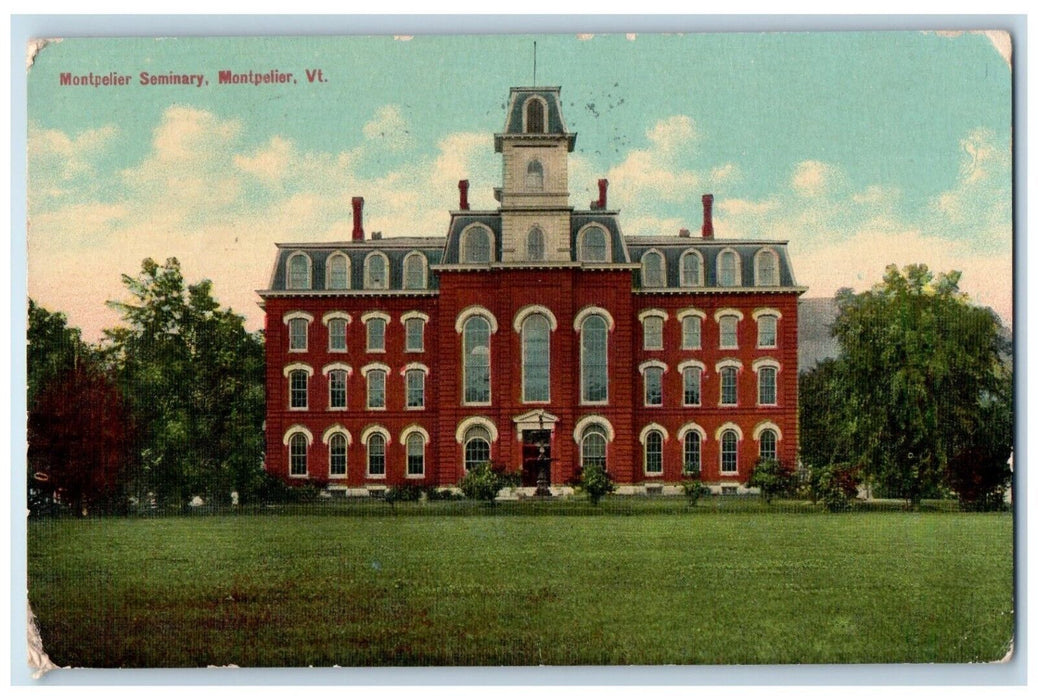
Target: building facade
{"x": 535, "y": 330}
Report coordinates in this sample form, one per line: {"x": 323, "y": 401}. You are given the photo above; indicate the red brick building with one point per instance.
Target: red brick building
{"x": 535, "y": 325}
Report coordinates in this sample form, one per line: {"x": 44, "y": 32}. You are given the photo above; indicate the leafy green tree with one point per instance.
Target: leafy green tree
{"x": 822, "y": 410}
{"x": 194, "y": 377}
{"x": 596, "y": 482}
{"x": 484, "y": 481}
{"x": 920, "y": 368}
{"x": 834, "y": 486}
{"x": 772, "y": 478}
{"x": 53, "y": 348}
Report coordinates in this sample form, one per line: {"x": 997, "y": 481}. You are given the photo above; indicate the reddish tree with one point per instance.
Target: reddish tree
{"x": 79, "y": 430}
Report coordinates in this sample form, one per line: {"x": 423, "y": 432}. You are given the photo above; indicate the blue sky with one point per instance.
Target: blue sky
{"x": 861, "y": 149}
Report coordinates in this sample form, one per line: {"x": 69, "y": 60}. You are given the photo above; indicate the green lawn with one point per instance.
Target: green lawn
{"x": 643, "y": 581}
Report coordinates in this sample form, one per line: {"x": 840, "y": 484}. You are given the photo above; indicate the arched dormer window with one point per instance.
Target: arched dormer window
{"x": 691, "y": 269}
{"x": 414, "y": 271}
{"x": 766, "y": 268}
{"x": 376, "y": 271}
{"x": 534, "y": 121}
{"x": 534, "y": 176}
{"x": 728, "y": 270}
{"x": 476, "y": 245}
{"x": 654, "y": 270}
{"x": 594, "y": 245}
{"x": 337, "y": 272}
{"x": 299, "y": 266}
{"x": 535, "y": 245}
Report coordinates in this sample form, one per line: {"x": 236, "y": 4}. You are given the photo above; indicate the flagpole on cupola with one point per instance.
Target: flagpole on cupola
{"x": 535, "y": 63}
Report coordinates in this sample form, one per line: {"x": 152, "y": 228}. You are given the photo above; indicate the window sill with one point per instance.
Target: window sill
{"x": 415, "y": 476}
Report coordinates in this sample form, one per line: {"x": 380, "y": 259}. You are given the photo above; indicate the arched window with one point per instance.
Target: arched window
{"x": 691, "y": 269}
{"x": 654, "y": 452}
{"x": 337, "y": 388}
{"x": 376, "y": 334}
{"x": 729, "y": 332}
{"x": 415, "y": 455}
{"x": 376, "y": 388}
{"x": 414, "y": 271}
{"x": 297, "y": 334}
{"x": 476, "y": 360}
{"x": 376, "y": 271}
{"x": 475, "y": 245}
{"x": 337, "y": 335}
{"x": 692, "y": 452}
{"x": 534, "y": 116}
{"x": 535, "y": 245}
{"x": 337, "y": 272}
{"x": 692, "y": 380}
{"x": 297, "y": 446}
{"x": 593, "y": 447}
{"x": 728, "y": 269}
{"x": 414, "y": 331}
{"x": 337, "y": 455}
{"x": 594, "y": 245}
{"x": 653, "y": 385}
{"x": 768, "y": 444}
{"x": 536, "y": 358}
{"x": 594, "y": 364}
{"x": 729, "y": 386}
{"x": 653, "y": 270}
{"x": 652, "y": 333}
{"x": 534, "y": 176}
{"x": 297, "y": 388}
{"x": 415, "y": 388}
{"x": 477, "y": 446}
{"x": 691, "y": 333}
{"x": 767, "y": 331}
{"x": 767, "y": 268}
{"x": 729, "y": 452}
{"x": 299, "y": 271}
{"x": 376, "y": 455}
{"x": 766, "y": 386}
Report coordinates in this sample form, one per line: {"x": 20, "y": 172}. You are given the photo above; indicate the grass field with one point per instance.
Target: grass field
{"x": 639, "y": 581}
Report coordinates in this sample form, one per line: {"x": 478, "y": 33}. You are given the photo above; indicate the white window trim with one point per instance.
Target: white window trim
{"x": 580, "y": 244}
{"x": 653, "y": 426}
{"x": 756, "y": 267}
{"x": 327, "y": 271}
{"x": 544, "y": 106}
{"x": 581, "y": 317}
{"x": 578, "y": 320}
{"x": 366, "y": 319}
{"x": 769, "y": 363}
{"x": 471, "y": 421}
{"x": 292, "y": 315}
{"x": 720, "y": 317}
{"x": 766, "y": 425}
{"x": 288, "y": 369}
{"x": 326, "y": 438}
{"x": 653, "y": 313}
{"x": 692, "y": 364}
{"x": 404, "y": 318}
{"x": 691, "y": 427}
{"x": 367, "y": 270}
{"x": 425, "y": 270}
{"x": 365, "y": 370}
{"x": 766, "y": 362}
{"x": 309, "y": 271}
{"x": 463, "y": 244}
{"x": 643, "y": 438}
{"x": 760, "y": 314}
{"x": 326, "y": 371}
{"x": 728, "y": 425}
{"x": 725, "y": 364}
{"x": 727, "y": 311}
{"x": 584, "y": 435}
{"x": 686, "y": 313}
{"x": 291, "y": 433}
{"x": 530, "y": 310}
{"x": 415, "y": 367}
{"x": 720, "y": 450}
{"x": 414, "y": 316}
{"x": 337, "y": 316}
{"x": 593, "y": 419}
{"x": 520, "y": 318}
{"x": 738, "y": 267}
{"x": 407, "y": 432}
{"x": 364, "y": 438}
{"x": 474, "y": 310}
{"x": 663, "y": 269}
{"x": 766, "y": 311}
{"x": 297, "y": 428}
{"x": 683, "y": 279}
{"x": 295, "y": 316}
{"x": 490, "y": 365}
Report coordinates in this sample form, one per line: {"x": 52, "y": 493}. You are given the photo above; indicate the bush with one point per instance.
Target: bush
{"x": 484, "y": 481}
{"x": 834, "y": 485}
{"x": 433, "y": 493}
{"x": 403, "y": 494}
{"x": 772, "y": 478}
{"x": 595, "y": 480}
{"x": 694, "y": 490}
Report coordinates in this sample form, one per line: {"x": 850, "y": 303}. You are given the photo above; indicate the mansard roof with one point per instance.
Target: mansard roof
{"x": 554, "y": 122}
{"x": 673, "y": 247}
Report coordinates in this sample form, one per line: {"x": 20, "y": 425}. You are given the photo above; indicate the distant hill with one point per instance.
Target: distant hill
{"x": 815, "y": 318}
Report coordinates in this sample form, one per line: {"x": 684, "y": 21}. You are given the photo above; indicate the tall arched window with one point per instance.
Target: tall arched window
{"x": 337, "y": 455}
{"x": 299, "y": 271}
{"x": 376, "y": 271}
{"x": 767, "y": 268}
{"x": 297, "y": 445}
{"x": 594, "y": 365}
{"x": 376, "y": 455}
{"x": 337, "y": 271}
{"x": 653, "y": 270}
{"x": 415, "y": 454}
{"x": 692, "y": 452}
{"x": 593, "y": 245}
{"x": 593, "y": 447}
{"x": 691, "y": 269}
{"x": 476, "y": 360}
{"x": 534, "y": 116}
{"x": 536, "y": 358}
{"x": 414, "y": 271}
{"x": 768, "y": 444}
{"x": 654, "y": 452}
{"x": 475, "y": 246}
{"x": 477, "y": 446}
{"x": 534, "y": 176}
{"x": 728, "y": 269}
{"x": 535, "y": 245}
{"x": 729, "y": 452}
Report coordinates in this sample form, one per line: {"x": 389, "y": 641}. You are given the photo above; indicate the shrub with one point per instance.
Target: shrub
{"x": 484, "y": 481}
{"x": 595, "y": 480}
{"x": 692, "y": 486}
{"x": 402, "y": 494}
{"x": 834, "y": 485}
{"x": 772, "y": 478}
{"x": 433, "y": 493}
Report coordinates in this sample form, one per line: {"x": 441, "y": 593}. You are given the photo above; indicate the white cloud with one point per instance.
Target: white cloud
{"x": 269, "y": 163}
{"x": 812, "y": 178}
{"x": 388, "y": 128}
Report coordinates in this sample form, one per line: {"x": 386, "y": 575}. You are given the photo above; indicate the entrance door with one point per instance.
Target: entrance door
{"x": 536, "y": 447}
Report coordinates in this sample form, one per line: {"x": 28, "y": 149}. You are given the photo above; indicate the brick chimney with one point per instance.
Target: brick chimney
{"x": 358, "y": 218}
{"x": 463, "y": 190}
{"x": 708, "y": 216}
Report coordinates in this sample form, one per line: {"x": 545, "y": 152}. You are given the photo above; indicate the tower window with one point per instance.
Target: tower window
{"x": 534, "y": 116}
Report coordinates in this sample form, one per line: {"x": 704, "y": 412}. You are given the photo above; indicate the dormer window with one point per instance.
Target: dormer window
{"x": 337, "y": 272}
{"x": 728, "y": 269}
{"x": 376, "y": 271}
{"x": 534, "y": 176}
{"x": 299, "y": 271}
{"x": 475, "y": 245}
{"x": 414, "y": 271}
{"x": 534, "y": 116}
{"x": 652, "y": 269}
{"x": 767, "y": 268}
{"x": 593, "y": 245}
